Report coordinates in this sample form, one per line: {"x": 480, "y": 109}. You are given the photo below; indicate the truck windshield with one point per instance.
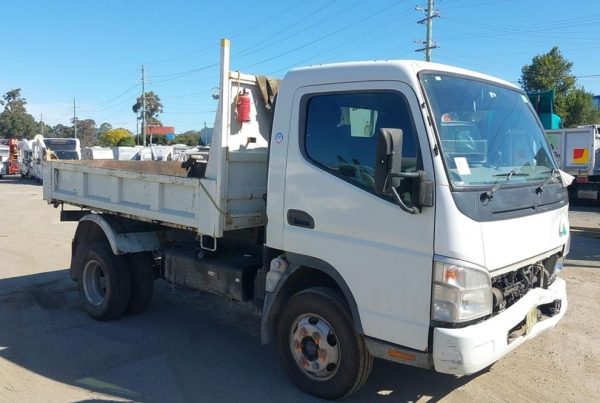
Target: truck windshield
{"x": 488, "y": 132}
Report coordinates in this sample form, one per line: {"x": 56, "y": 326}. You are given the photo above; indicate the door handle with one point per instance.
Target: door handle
{"x": 299, "y": 218}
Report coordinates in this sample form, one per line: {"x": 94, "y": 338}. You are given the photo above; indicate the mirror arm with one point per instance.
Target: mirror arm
{"x": 410, "y": 210}
{"x": 408, "y": 175}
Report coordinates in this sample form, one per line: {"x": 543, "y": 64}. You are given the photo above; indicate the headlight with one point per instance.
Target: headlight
{"x": 460, "y": 292}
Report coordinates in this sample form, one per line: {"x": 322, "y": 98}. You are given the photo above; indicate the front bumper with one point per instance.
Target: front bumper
{"x": 468, "y": 350}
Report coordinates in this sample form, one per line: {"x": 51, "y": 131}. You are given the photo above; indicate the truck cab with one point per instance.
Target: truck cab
{"x": 456, "y": 276}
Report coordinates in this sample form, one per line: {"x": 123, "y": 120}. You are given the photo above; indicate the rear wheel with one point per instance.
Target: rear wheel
{"x": 142, "y": 281}
{"x": 319, "y": 347}
{"x": 103, "y": 281}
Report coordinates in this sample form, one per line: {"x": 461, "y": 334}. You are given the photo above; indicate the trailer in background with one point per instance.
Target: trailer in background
{"x": 577, "y": 152}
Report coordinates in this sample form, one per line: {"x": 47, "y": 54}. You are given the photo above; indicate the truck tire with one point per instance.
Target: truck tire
{"x": 142, "y": 281}
{"x": 103, "y": 281}
{"x": 319, "y": 347}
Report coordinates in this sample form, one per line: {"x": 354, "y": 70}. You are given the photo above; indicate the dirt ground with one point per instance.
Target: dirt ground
{"x": 189, "y": 346}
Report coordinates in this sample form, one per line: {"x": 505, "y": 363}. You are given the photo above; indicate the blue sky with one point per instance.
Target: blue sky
{"x": 93, "y": 50}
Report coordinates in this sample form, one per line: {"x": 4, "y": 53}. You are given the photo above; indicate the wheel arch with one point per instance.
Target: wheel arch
{"x": 305, "y": 272}
{"x": 117, "y": 232}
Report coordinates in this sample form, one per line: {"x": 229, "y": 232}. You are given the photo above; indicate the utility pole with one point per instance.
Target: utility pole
{"x": 143, "y": 108}
{"x": 431, "y": 14}
{"x": 74, "y": 119}
{"x": 42, "y": 122}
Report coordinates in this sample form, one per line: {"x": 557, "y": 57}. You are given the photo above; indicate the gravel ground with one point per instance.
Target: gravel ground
{"x": 189, "y": 346}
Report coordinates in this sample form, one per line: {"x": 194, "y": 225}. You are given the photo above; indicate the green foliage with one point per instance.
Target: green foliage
{"x": 117, "y": 137}
{"x": 577, "y": 108}
{"x": 153, "y": 108}
{"x": 128, "y": 141}
{"x": 552, "y": 71}
{"x": 14, "y": 120}
{"x": 61, "y": 130}
{"x": 190, "y": 138}
{"x": 86, "y": 132}
{"x": 104, "y": 127}
{"x": 44, "y": 129}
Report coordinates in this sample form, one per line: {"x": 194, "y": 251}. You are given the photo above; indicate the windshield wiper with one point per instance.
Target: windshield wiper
{"x": 511, "y": 174}
{"x": 554, "y": 173}
{"x": 489, "y": 195}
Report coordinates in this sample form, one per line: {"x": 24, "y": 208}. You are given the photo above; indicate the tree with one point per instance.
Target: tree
{"x": 153, "y": 108}
{"x": 44, "y": 129}
{"x": 117, "y": 137}
{"x": 552, "y": 71}
{"x": 548, "y": 72}
{"x": 86, "y": 132}
{"x": 104, "y": 127}
{"x": 15, "y": 122}
{"x": 578, "y": 108}
{"x": 61, "y": 130}
{"x": 190, "y": 138}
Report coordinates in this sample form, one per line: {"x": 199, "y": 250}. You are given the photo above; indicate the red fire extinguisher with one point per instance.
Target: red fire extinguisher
{"x": 242, "y": 107}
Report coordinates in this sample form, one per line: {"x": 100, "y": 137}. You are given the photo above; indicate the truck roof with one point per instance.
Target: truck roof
{"x": 403, "y": 70}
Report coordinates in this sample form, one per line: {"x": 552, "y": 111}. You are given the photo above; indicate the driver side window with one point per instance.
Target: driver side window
{"x": 341, "y": 132}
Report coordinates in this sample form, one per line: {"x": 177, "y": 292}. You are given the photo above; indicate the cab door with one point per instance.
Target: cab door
{"x": 332, "y": 213}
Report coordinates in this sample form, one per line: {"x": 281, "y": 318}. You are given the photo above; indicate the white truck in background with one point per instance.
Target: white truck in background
{"x": 47, "y": 148}
{"x": 403, "y": 210}
{"x": 4, "y": 158}
{"x": 97, "y": 153}
{"x": 26, "y": 159}
{"x": 577, "y": 152}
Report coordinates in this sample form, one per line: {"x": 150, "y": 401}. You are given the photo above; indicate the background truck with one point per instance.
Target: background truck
{"x": 9, "y": 162}
{"x": 577, "y": 152}
{"x": 390, "y": 209}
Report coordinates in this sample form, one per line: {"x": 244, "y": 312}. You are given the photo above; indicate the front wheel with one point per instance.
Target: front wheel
{"x": 319, "y": 347}
{"x": 103, "y": 280}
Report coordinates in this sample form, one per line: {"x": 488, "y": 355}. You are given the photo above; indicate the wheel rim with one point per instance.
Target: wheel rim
{"x": 94, "y": 282}
{"x": 315, "y": 347}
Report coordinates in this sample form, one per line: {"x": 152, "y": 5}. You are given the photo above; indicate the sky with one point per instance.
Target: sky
{"x": 92, "y": 51}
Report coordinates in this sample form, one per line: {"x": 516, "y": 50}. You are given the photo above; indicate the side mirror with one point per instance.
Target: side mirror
{"x": 388, "y": 159}
{"x": 388, "y": 172}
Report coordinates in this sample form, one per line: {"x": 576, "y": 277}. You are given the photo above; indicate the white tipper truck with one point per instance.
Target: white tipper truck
{"x": 403, "y": 210}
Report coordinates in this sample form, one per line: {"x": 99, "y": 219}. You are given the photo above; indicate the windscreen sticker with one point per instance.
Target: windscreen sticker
{"x": 462, "y": 166}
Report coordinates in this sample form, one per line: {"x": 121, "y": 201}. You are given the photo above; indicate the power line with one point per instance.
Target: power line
{"x": 269, "y": 39}
{"x": 318, "y": 39}
{"x": 236, "y": 35}
{"x": 106, "y": 104}
{"x": 361, "y": 35}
